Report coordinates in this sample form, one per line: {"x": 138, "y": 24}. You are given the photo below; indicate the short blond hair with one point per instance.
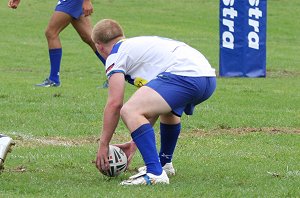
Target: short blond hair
{"x": 106, "y": 30}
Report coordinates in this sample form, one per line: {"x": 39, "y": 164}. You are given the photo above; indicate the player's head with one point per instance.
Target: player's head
{"x": 107, "y": 30}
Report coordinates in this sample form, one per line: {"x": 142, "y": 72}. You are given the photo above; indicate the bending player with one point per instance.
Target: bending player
{"x": 172, "y": 78}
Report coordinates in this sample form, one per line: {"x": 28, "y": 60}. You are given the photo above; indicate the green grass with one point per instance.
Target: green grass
{"x": 243, "y": 142}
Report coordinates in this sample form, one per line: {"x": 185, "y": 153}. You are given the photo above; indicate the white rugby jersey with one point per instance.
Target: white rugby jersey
{"x": 141, "y": 59}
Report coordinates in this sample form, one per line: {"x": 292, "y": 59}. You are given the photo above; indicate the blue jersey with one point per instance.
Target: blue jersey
{"x": 70, "y": 7}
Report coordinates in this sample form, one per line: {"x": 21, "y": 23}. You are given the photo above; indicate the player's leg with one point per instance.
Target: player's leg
{"x": 145, "y": 103}
{"x": 83, "y": 26}
{"x": 58, "y": 21}
{"x": 182, "y": 94}
{"x": 170, "y": 128}
{"x": 192, "y": 92}
{"x": 136, "y": 113}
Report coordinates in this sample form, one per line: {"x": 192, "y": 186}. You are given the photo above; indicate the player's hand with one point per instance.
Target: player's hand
{"x": 102, "y": 163}
{"x": 87, "y": 8}
{"x": 13, "y": 4}
{"x": 129, "y": 149}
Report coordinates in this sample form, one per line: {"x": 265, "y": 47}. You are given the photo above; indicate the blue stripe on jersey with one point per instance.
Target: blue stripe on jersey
{"x": 116, "y": 47}
{"x": 114, "y": 71}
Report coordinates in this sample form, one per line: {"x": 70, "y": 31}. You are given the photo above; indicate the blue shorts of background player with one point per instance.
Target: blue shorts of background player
{"x": 71, "y": 7}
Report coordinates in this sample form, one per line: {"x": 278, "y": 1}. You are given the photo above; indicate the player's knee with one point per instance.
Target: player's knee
{"x": 49, "y": 34}
{"x": 125, "y": 112}
{"x": 128, "y": 113}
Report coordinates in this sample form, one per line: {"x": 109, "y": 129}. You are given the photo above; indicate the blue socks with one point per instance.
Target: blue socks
{"x": 168, "y": 139}
{"x": 55, "y": 59}
{"x": 144, "y": 139}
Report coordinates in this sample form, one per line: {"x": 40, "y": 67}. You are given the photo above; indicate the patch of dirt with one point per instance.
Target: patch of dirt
{"x": 239, "y": 131}
{"x": 29, "y": 141}
{"x": 282, "y": 73}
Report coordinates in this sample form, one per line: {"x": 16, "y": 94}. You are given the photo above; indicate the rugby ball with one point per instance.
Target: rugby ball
{"x": 117, "y": 161}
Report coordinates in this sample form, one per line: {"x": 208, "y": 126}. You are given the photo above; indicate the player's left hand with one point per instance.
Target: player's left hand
{"x": 129, "y": 149}
{"x": 87, "y": 8}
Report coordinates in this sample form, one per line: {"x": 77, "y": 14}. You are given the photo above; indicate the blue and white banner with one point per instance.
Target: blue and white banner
{"x": 243, "y": 25}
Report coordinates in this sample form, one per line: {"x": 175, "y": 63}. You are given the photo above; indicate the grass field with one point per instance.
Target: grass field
{"x": 243, "y": 142}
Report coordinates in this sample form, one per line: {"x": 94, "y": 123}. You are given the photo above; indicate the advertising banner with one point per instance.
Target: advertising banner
{"x": 243, "y": 25}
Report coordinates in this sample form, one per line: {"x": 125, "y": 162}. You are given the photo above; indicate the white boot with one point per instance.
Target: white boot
{"x": 5, "y": 147}
{"x": 146, "y": 179}
{"x": 168, "y": 167}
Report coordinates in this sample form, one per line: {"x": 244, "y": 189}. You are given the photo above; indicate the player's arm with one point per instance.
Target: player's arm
{"x": 110, "y": 118}
{"x": 13, "y": 4}
{"x": 87, "y": 7}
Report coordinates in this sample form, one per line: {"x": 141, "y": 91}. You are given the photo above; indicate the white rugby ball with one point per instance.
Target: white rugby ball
{"x": 117, "y": 161}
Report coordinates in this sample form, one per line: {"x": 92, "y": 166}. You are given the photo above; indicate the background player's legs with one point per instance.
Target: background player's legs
{"x": 83, "y": 26}
{"x": 57, "y": 23}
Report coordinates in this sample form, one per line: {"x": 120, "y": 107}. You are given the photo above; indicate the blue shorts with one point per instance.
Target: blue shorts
{"x": 183, "y": 93}
{"x": 70, "y": 7}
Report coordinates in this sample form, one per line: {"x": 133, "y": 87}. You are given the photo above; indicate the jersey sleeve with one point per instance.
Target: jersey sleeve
{"x": 116, "y": 63}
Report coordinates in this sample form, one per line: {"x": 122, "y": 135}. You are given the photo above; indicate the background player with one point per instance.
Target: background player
{"x": 75, "y": 12}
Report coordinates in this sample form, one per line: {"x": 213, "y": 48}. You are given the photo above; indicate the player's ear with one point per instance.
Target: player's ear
{"x": 99, "y": 47}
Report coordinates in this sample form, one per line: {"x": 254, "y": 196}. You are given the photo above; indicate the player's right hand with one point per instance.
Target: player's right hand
{"x": 13, "y": 4}
{"x": 87, "y": 8}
